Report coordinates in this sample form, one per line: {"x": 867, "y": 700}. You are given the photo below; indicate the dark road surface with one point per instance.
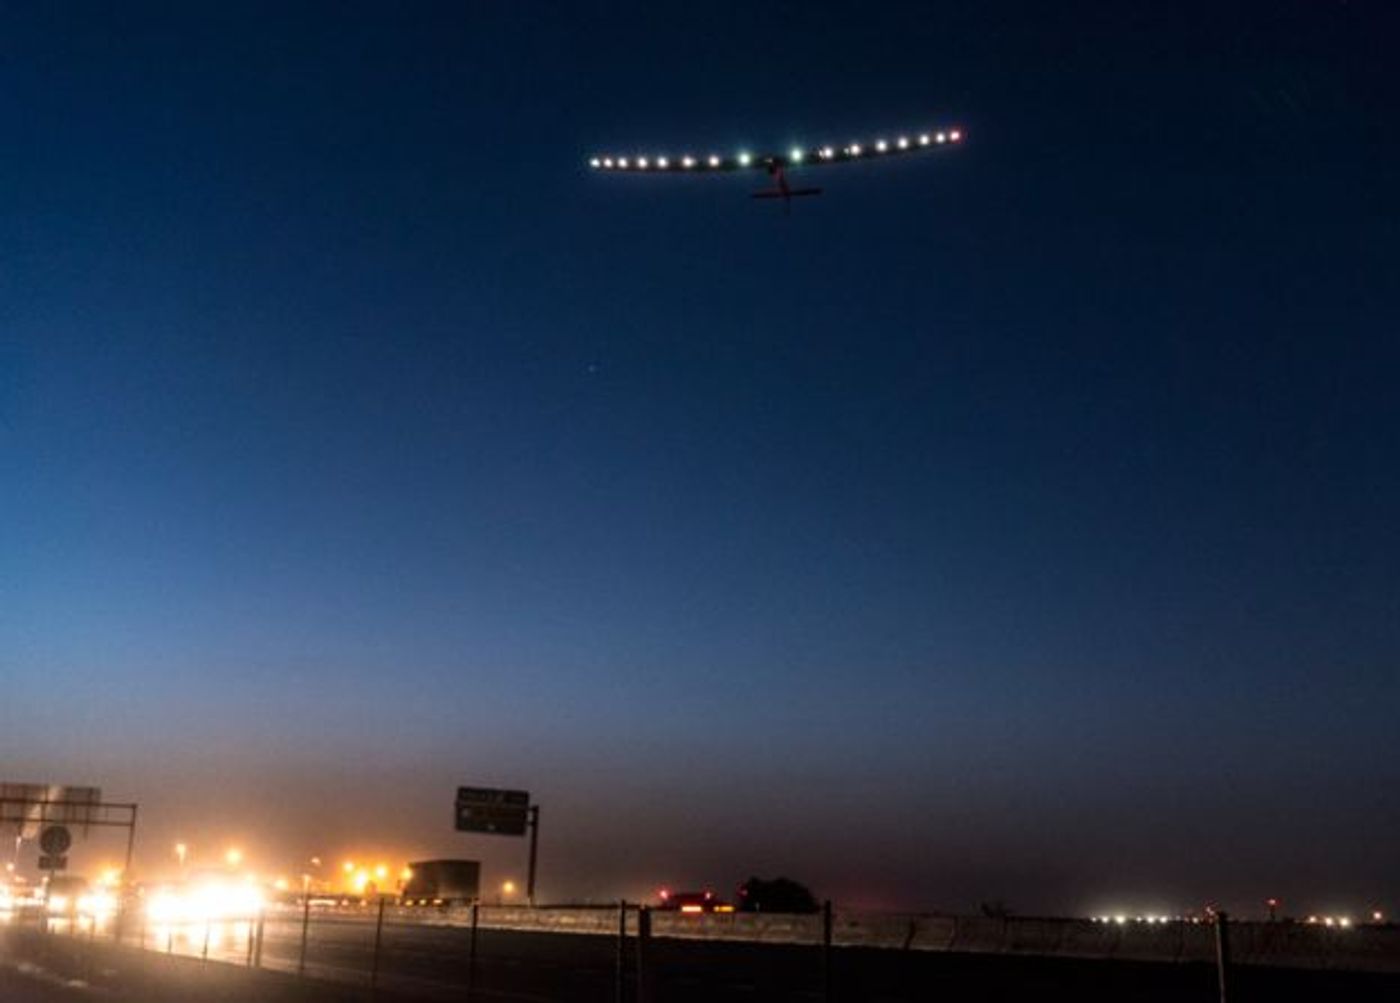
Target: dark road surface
{"x": 425, "y": 962}
{"x": 433, "y": 962}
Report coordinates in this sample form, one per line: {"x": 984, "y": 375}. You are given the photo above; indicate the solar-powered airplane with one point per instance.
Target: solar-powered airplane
{"x": 778, "y": 164}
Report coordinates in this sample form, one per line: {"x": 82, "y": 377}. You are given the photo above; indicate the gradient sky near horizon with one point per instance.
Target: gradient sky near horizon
{"x": 1017, "y": 523}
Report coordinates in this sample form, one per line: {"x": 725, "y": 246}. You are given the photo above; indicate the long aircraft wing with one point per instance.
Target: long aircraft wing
{"x": 710, "y": 163}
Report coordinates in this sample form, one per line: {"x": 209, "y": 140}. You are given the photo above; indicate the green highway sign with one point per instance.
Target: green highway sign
{"x": 493, "y": 811}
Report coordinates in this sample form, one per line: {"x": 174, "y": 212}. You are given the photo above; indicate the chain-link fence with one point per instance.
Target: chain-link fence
{"x": 631, "y": 954}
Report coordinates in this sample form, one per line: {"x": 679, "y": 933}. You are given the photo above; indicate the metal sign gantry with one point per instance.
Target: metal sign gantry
{"x": 499, "y": 812}
{"x": 31, "y": 813}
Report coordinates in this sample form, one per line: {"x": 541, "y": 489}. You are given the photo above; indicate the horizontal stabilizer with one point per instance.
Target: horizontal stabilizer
{"x": 778, "y": 193}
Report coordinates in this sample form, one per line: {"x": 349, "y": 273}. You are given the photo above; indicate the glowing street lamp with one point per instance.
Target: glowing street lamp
{"x": 233, "y": 857}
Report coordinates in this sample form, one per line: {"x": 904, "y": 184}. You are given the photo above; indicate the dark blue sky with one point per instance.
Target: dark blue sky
{"x": 1018, "y": 522}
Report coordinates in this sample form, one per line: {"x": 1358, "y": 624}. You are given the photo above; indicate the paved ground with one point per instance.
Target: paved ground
{"x": 23, "y": 984}
{"x": 431, "y": 963}
{"x": 531, "y": 967}
{"x": 39, "y": 969}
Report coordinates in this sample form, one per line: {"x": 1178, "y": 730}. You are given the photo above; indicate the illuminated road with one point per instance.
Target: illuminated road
{"x": 428, "y": 962}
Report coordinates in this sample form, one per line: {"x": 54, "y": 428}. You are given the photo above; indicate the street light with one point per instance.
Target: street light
{"x": 181, "y": 852}
{"x": 306, "y": 877}
{"x": 507, "y": 889}
{"x": 233, "y": 857}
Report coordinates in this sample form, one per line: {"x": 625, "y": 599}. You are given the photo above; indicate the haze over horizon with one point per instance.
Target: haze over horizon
{"x": 1012, "y": 524}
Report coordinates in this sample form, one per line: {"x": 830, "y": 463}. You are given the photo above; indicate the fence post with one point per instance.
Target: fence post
{"x": 378, "y": 941}
{"x": 620, "y": 992}
{"x": 204, "y": 955}
{"x": 92, "y": 939}
{"x": 471, "y": 952}
{"x": 248, "y": 961}
{"x": 1222, "y": 952}
{"x": 826, "y": 951}
{"x": 258, "y": 939}
{"x": 305, "y": 929}
{"x": 643, "y": 949}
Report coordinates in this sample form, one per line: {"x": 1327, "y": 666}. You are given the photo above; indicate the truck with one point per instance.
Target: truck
{"x": 442, "y": 882}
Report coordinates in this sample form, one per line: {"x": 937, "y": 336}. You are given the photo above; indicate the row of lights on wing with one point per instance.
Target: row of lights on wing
{"x": 661, "y": 163}
{"x": 796, "y": 155}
